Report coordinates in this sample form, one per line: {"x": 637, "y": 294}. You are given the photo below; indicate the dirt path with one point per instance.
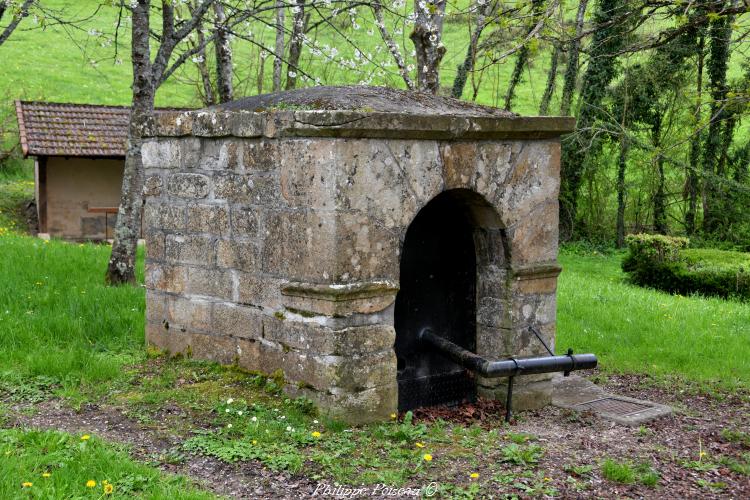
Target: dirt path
{"x": 672, "y": 445}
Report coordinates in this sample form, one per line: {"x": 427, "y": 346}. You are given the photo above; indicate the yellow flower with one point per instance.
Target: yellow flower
{"x": 27, "y": 484}
{"x": 316, "y": 434}
{"x": 46, "y": 474}
{"x": 90, "y": 483}
{"x": 255, "y": 442}
{"x": 427, "y": 457}
{"x": 548, "y": 479}
{"x": 108, "y": 489}
{"x": 474, "y": 475}
{"x": 419, "y": 445}
{"x": 702, "y": 454}
{"x": 85, "y": 437}
{"x": 393, "y": 416}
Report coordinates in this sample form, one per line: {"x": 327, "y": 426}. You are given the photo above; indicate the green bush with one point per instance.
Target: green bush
{"x": 664, "y": 263}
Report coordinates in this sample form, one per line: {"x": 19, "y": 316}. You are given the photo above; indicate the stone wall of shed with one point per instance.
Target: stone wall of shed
{"x": 283, "y": 254}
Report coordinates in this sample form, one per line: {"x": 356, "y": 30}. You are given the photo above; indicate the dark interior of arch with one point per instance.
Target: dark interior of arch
{"x": 438, "y": 290}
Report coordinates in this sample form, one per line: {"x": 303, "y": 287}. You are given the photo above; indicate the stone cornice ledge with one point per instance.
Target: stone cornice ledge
{"x": 536, "y": 271}
{"x": 355, "y": 124}
{"x": 336, "y": 300}
{"x": 340, "y": 292}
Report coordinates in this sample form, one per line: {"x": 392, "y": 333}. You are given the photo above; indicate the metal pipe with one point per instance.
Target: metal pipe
{"x": 507, "y": 367}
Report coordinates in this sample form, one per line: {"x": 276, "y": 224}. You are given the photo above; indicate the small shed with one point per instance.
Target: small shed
{"x": 316, "y": 232}
{"x": 79, "y": 156}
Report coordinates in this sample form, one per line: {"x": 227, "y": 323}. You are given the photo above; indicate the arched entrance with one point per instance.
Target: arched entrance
{"x": 438, "y": 289}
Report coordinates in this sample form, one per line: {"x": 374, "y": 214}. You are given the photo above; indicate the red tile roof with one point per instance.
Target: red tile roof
{"x": 59, "y": 129}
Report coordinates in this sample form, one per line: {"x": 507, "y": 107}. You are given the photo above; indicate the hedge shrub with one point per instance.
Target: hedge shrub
{"x": 665, "y": 263}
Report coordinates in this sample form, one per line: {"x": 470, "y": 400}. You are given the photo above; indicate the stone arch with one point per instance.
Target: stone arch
{"x": 453, "y": 279}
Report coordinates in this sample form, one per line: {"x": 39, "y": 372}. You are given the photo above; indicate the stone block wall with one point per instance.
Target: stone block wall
{"x": 276, "y": 245}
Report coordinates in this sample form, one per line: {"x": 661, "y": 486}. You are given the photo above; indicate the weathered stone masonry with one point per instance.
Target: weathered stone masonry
{"x": 273, "y": 239}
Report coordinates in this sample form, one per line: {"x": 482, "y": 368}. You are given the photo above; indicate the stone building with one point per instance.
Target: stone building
{"x": 316, "y": 231}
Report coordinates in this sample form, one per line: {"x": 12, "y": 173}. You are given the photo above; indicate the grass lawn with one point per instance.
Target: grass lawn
{"x": 698, "y": 340}
{"x": 49, "y": 464}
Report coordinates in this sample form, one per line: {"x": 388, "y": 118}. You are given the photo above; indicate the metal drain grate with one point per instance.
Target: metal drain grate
{"x": 613, "y": 406}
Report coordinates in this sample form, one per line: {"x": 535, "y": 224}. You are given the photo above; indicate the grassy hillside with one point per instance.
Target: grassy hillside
{"x": 59, "y": 63}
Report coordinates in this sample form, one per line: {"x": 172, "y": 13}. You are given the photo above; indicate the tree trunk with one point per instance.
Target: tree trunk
{"x": 208, "y": 91}
{"x": 121, "y": 268}
{"x": 720, "y": 34}
{"x": 522, "y": 56}
{"x": 295, "y": 43}
{"x": 695, "y": 141}
{"x": 147, "y": 76}
{"x": 571, "y": 70}
{"x": 549, "y": 89}
{"x": 427, "y": 39}
{"x": 224, "y": 84}
{"x": 377, "y": 9}
{"x": 621, "y": 166}
{"x": 459, "y": 82}
{"x": 515, "y": 77}
{"x": 279, "y": 49}
{"x": 261, "y": 71}
{"x": 608, "y": 39}
{"x": 660, "y": 209}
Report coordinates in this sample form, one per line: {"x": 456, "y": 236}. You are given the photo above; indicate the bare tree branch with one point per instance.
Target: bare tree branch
{"x": 23, "y": 12}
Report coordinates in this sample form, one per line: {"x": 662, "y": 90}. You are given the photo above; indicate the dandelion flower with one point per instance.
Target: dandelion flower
{"x": 27, "y": 484}
{"x": 255, "y": 442}
{"x": 393, "y": 415}
{"x": 46, "y": 474}
{"x": 90, "y": 483}
{"x": 85, "y": 437}
{"x": 548, "y": 479}
{"x": 108, "y": 489}
{"x": 474, "y": 475}
{"x": 316, "y": 434}
{"x": 419, "y": 445}
{"x": 427, "y": 457}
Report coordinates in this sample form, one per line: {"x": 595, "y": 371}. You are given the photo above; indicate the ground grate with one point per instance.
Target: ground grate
{"x": 614, "y": 406}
